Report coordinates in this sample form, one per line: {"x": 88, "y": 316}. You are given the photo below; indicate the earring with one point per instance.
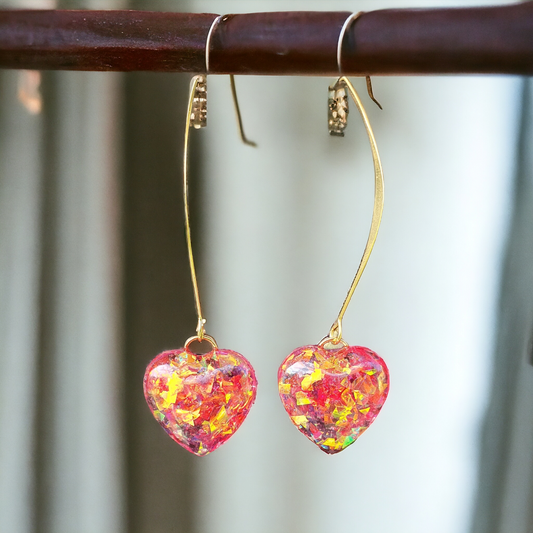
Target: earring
{"x": 199, "y": 400}
{"x": 333, "y": 391}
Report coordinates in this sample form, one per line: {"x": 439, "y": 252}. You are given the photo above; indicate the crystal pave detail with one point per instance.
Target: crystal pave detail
{"x": 199, "y": 104}
{"x": 337, "y": 109}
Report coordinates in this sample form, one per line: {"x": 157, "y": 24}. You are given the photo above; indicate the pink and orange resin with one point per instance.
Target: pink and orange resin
{"x": 332, "y": 396}
{"x": 200, "y": 400}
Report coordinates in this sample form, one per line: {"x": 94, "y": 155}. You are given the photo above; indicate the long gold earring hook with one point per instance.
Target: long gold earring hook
{"x": 335, "y": 333}
{"x": 196, "y": 117}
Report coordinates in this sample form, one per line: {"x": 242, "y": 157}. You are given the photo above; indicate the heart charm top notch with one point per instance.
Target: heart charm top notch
{"x": 200, "y": 400}
{"x": 332, "y": 396}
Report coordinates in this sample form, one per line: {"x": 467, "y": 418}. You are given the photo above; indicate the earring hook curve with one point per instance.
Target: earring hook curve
{"x": 240, "y": 125}
{"x": 352, "y": 18}
{"x": 196, "y": 82}
{"x": 335, "y": 333}
{"x": 197, "y": 118}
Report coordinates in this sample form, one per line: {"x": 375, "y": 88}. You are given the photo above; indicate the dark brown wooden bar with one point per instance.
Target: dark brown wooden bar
{"x": 385, "y": 42}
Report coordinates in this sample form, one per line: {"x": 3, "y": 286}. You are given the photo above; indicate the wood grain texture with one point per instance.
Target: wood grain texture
{"x": 103, "y": 40}
{"x": 385, "y": 42}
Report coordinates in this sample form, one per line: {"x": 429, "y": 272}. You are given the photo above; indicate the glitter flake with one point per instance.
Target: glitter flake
{"x": 200, "y": 400}
{"x": 332, "y": 396}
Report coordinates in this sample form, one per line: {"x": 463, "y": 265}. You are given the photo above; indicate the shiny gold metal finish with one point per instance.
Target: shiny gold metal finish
{"x": 205, "y": 337}
{"x": 329, "y": 343}
{"x": 197, "y": 118}
{"x": 335, "y": 333}
{"x": 196, "y": 82}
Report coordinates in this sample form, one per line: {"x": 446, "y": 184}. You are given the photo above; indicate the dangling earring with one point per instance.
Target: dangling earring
{"x": 333, "y": 391}
{"x": 199, "y": 400}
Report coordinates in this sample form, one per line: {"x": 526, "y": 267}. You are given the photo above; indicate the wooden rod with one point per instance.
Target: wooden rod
{"x": 477, "y": 40}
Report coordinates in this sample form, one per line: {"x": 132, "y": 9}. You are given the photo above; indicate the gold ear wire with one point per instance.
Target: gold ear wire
{"x": 196, "y": 118}
{"x": 335, "y": 333}
{"x": 338, "y": 110}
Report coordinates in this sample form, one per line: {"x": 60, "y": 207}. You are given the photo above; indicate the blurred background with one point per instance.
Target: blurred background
{"x": 94, "y": 282}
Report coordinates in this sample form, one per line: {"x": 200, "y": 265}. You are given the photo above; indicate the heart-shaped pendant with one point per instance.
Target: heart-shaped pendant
{"x": 333, "y": 395}
{"x": 200, "y": 400}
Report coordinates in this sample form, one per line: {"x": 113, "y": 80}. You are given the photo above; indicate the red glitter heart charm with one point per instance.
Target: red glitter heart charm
{"x": 332, "y": 396}
{"x": 200, "y": 400}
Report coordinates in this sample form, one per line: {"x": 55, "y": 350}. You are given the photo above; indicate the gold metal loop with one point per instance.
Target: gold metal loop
{"x": 333, "y": 342}
{"x": 207, "y": 338}
{"x": 335, "y": 334}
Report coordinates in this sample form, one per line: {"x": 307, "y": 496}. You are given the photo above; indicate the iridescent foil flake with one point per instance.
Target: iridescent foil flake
{"x": 332, "y": 396}
{"x": 200, "y": 400}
